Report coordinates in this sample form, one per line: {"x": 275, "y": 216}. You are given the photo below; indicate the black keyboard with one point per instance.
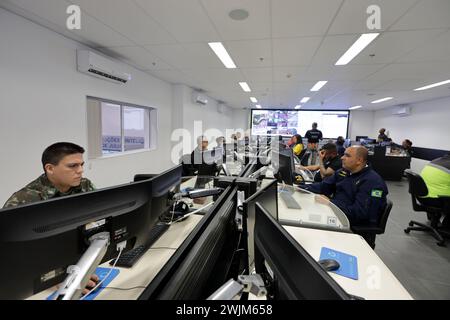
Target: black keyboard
{"x": 129, "y": 258}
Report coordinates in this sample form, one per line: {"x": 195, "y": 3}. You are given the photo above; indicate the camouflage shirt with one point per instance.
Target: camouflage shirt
{"x": 42, "y": 189}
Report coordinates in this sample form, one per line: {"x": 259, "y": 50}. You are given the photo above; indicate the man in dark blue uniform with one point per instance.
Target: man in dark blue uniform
{"x": 314, "y": 135}
{"x": 356, "y": 189}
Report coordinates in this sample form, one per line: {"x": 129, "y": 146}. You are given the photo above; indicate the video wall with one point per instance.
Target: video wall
{"x": 289, "y": 122}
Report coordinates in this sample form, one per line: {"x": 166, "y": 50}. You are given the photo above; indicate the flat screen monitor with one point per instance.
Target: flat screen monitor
{"x": 284, "y": 165}
{"x": 292, "y": 273}
{"x": 209, "y": 257}
{"x": 42, "y": 239}
{"x": 332, "y": 123}
{"x": 268, "y": 197}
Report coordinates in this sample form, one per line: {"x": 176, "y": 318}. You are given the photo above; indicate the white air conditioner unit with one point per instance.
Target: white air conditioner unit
{"x": 402, "y": 111}
{"x": 98, "y": 66}
{"x": 199, "y": 98}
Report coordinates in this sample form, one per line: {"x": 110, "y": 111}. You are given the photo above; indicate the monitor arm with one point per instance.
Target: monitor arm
{"x": 232, "y": 289}
{"x": 79, "y": 274}
{"x": 198, "y": 193}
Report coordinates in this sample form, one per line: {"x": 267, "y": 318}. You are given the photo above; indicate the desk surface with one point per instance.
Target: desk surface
{"x": 312, "y": 213}
{"x": 376, "y": 281}
{"x": 144, "y": 271}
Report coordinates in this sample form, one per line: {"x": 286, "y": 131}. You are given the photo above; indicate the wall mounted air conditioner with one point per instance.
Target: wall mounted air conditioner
{"x": 402, "y": 111}
{"x": 98, "y": 66}
{"x": 199, "y": 98}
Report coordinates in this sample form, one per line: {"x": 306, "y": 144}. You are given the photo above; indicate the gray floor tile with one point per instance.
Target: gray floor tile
{"x": 415, "y": 259}
{"x": 438, "y": 291}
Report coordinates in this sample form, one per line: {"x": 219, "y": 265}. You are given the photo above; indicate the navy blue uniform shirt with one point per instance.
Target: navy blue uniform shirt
{"x": 361, "y": 196}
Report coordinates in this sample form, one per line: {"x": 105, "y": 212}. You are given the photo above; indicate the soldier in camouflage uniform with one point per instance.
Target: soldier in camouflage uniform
{"x": 63, "y": 167}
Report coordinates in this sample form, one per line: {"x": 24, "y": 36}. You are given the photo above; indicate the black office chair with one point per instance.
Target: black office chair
{"x": 188, "y": 168}
{"x": 434, "y": 208}
{"x": 369, "y": 233}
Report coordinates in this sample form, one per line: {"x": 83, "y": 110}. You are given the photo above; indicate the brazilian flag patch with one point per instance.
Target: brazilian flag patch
{"x": 377, "y": 193}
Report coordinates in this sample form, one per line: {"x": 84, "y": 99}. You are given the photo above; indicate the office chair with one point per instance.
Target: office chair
{"x": 369, "y": 233}
{"x": 418, "y": 189}
{"x": 188, "y": 168}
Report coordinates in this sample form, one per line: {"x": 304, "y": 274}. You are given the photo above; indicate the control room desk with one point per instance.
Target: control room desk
{"x": 145, "y": 270}
{"x": 391, "y": 166}
{"x": 376, "y": 281}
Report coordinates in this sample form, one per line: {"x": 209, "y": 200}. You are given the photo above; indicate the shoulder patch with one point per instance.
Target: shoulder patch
{"x": 377, "y": 193}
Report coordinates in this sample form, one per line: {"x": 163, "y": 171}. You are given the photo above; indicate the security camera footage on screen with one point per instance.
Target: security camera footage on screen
{"x": 287, "y": 123}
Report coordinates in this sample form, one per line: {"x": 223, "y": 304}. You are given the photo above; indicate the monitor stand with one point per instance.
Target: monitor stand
{"x": 79, "y": 274}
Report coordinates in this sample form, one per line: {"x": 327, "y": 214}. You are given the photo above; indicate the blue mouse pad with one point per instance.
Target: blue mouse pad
{"x": 101, "y": 273}
{"x": 348, "y": 264}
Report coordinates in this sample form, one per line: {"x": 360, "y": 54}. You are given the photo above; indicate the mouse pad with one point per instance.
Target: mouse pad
{"x": 348, "y": 264}
{"x": 101, "y": 273}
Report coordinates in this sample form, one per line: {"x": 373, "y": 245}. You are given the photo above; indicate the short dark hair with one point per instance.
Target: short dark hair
{"x": 54, "y": 153}
{"x": 340, "y": 140}
{"x": 330, "y": 147}
{"x": 408, "y": 142}
{"x": 298, "y": 138}
{"x": 314, "y": 124}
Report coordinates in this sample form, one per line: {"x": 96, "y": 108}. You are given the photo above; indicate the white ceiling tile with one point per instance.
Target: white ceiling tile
{"x": 422, "y": 71}
{"x": 194, "y": 55}
{"x": 128, "y": 19}
{"x": 294, "y": 51}
{"x": 139, "y": 57}
{"x": 220, "y": 76}
{"x": 257, "y": 74}
{"x": 425, "y": 15}
{"x": 256, "y": 26}
{"x": 390, "y": 46}
{"x": 352, "y": 17}
{"x": 172, "y": 76}
{"x": 294, "y": 18}
{"x": 289, "y": 74}
{"x": 332, "y": 48}
{"x": 248, "y": 54}
{"x": 185, "y": 20}
{"x": 437, "y": 49}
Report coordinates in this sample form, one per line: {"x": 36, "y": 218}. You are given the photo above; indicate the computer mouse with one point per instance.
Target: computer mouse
{"x": 329, "y": 264}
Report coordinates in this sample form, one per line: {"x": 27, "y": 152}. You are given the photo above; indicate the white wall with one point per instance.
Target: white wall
{"x": 197, "y": 119}
{"x": 43, "y": 100}
{"x": 428, "y": 126}
{"x": 361, "y": 124}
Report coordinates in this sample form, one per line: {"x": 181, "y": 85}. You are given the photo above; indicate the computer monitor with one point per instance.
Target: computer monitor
{"x": 209, "y": 257}
{"x": 358, "y": 138}
{"x": 163, "y": 185}
{"x": 41, "y": 240}
{"x": 291, "y": 272}
{"x": 268, "y": 197}
{"x": 283, "y": 164}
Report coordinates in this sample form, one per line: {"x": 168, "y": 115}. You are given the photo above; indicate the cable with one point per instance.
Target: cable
{"x": 106, "y": 277}
{"x": 191, "y": 213}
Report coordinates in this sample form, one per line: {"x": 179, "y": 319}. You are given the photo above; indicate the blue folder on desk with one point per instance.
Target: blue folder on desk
{"x": 348, "y": 264}
{"x": 101, "y": 273}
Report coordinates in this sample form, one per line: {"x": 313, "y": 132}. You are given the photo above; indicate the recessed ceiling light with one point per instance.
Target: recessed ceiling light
{"x": 355, "y": 107}
{"x": 298, "y": 107}
{"x": 258, "y": 106}
{"x": 363, "y": 41}
{"x": 253, "y": 99}
{"x": 238, "y": 14}
{"x": 245, "y": 86}
{"x": 433, "y": 85}
{"x": 382, "y": 100}
{"x": 222, "y": 53}
{"x": 318, "y": 85}
{"x": 305, "y": 100}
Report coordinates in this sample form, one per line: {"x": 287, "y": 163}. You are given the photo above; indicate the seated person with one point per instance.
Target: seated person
{"x": 63, "y": 175}
{"x": 406, "y": 147}
{"x": 297, "y": 145}
{"x": 382, "y": 137}
{"x": 340, "y": 146}
{"x": 329, "y": 162}
{"x": 201, "y": 164}
{"x": 356, "y": 189}
{"x": 311, "y": 155}
{"x": 436, "y": 175}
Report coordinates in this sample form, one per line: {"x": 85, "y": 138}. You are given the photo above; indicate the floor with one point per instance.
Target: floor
{"x": 415, "y": 259}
